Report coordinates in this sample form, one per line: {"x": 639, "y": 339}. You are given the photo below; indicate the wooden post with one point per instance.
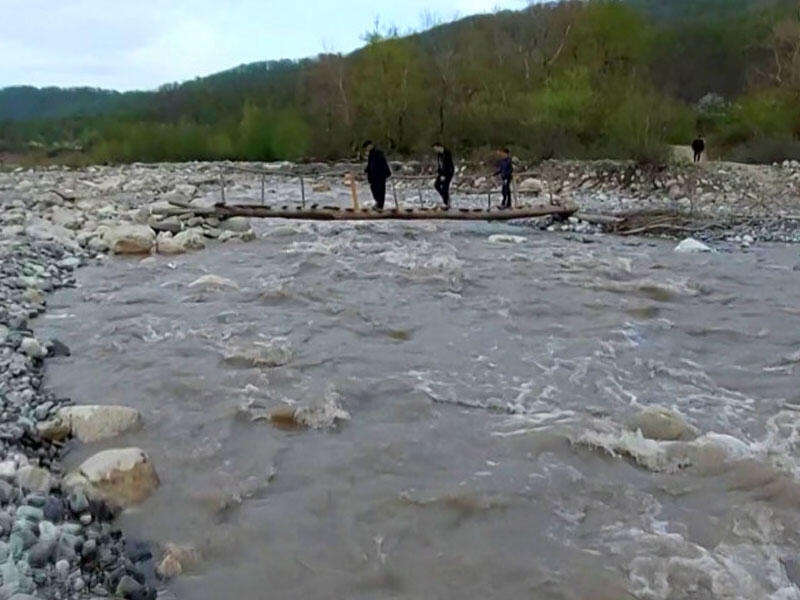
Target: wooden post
{"x": 394, "y": 193}
{"x": 353, "y": 191}
{"x": 263, "y": 198}
{"x": 303, "y": 190}
{"x": 222, "y": 185}
{"x": 489, "y": 201}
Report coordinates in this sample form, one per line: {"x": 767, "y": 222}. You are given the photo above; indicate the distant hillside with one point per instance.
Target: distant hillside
{"x": 574, "y": 78}
{"x": 25, "y": 103}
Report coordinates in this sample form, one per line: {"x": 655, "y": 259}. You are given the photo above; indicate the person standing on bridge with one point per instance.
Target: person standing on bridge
{"x": 505, "y": 169}
{"x": 445, "y": 170}
{"x": 698, "y": 146}
{"x": 378, "y": 172}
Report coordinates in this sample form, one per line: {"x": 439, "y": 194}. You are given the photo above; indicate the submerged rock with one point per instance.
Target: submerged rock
{"x": 214, "y": 282}
{"x": 177, "y": 559}
{"x": 663, "y": 424}
{"x": 121, "y": 477}
{"x": 274, "y": 353}
{"x": 691, "y": 246}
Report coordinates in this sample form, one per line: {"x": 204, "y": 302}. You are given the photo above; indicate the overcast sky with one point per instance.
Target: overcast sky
{"x": 141, "y": 44}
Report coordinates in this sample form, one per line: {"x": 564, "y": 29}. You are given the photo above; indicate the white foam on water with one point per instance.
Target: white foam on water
{"x": 665, "y": 565}
{"x": 322, "y": 415}
{"x": 665, "y": 456}
{"x": 507, "y": 239}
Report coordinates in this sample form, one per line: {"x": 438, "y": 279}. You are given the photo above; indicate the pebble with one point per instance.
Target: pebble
{"x": 62, "y": 569}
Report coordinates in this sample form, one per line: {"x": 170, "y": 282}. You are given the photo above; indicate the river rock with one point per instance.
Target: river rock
{"x": 691, "y": 246}
{"x": 97, "y": 245}
{"x": 274, "y": 353}
{"x": 130, "y": 239}
{"x": 53, "y": 430}
{"x": 177, "y": 559}
{"x": 121, "y": 477}
{"x": 35, "y": 479}
{"x": 170, "y": 224}
{"x": 185, "y": 241}
{"x": 191, "y": 239}
{"x": 33, "y": 348}
{"x": 213, "y": 282}
{"x": 67, "y": 218}
{"x": 662, "y": 424}
{"x": 531, "y": 185}
{"x": 235, "y": 224}
{"x": 95, "y": 423}
{"x": 42, "y": 230}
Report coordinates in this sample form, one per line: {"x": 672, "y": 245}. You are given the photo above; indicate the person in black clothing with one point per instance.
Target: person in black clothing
{"x": 505, "y": 169}
{"x": 378, "y": 172}
{"x": 445, "y": 169}
{"x": 699, "y": 146}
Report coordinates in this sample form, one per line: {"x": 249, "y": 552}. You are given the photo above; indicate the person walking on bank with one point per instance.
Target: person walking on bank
{"x": 505, "y": 169}
{"x": 378, "y": 172}
{"x": 699, "y": 146}
{"x": 445, "y": 170}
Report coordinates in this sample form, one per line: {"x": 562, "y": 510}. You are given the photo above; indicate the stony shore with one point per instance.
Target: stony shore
{"x": 57, "y": 539}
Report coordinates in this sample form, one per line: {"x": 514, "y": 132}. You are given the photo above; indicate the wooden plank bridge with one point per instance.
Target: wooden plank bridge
{"x": 335, "y": 213}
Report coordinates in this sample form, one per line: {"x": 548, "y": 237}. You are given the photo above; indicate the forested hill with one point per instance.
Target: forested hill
{"x": 573, "y": 78}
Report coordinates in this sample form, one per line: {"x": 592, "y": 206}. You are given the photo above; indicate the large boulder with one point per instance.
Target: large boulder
{"x": 96, "y": 423}
{"x": 130, "y": 239}
{"x": 121, "y": 477}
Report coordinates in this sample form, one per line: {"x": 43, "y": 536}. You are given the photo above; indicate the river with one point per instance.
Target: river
{"x": 489, "y": 372}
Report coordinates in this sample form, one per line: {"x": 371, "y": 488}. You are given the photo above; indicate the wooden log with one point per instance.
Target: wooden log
{"x": 329, "y": 213}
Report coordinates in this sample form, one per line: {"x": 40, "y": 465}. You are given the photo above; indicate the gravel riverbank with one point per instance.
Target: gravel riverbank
{"x": 55, "y": 542}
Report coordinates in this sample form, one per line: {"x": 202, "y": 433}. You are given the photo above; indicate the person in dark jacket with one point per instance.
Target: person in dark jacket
{"x": 699, "y": 146}
{"x": 445, "y": 170}
{"x": 505, "y": 169}
{"x": 378, "y": 172}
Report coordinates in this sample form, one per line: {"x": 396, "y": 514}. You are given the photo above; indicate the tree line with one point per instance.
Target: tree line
{"x": 604, "y": 78}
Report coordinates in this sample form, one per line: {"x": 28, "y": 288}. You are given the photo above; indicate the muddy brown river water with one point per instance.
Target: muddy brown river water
{"x": 489, "y": 372}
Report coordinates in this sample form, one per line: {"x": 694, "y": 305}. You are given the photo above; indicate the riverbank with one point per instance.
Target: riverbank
{"x": 85, "y": 207}
{"x": 56, "y": 539}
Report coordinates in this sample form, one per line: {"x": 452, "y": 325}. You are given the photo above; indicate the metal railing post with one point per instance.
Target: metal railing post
{"x": 263, "y": 178}
{"x": 303, "y": 190}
